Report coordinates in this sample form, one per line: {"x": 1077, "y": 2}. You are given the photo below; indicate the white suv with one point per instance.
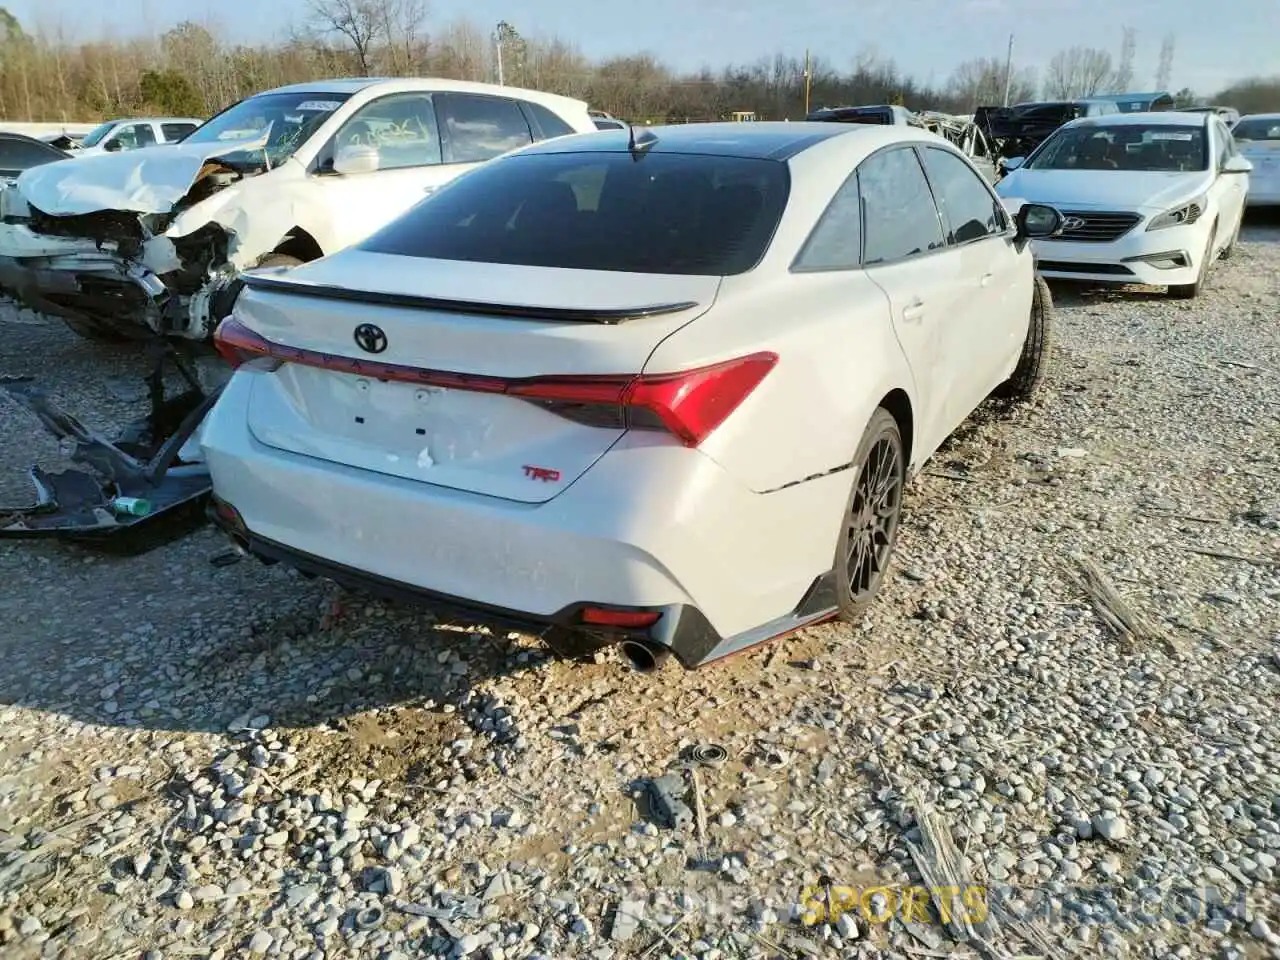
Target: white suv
{"x": 153, "y": 241}
{"x": 115, "y": 136}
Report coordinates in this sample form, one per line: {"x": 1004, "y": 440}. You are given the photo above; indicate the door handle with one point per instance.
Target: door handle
{"x": 986, "y": 280}
{"x": 913, "y": 311}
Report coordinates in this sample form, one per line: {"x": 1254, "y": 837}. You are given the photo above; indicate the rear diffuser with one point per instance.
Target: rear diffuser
{"x": 75, "y": 504}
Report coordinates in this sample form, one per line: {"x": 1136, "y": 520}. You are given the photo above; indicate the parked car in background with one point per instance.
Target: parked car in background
{"x": 606, "y": 121}
{"x": 1257, "y": 136}
{"x": 1150, "y": 198}
{"x": 19, "y": 153}
{"x": 663, "y": 393}
{"x": 153, "y": 241}
{"x": 1152, "y": 102}
{"x": 135, "y": 132}
{"x": 1229, "y": 115}
{"x": 1016, "y": 131}
{"x": 879, "y": 114}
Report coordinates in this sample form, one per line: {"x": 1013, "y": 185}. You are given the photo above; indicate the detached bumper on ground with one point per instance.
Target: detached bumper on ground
{"x": 650, "y": 527}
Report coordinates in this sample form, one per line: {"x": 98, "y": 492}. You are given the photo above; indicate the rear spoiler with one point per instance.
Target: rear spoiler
{"x": 607, "y": 315}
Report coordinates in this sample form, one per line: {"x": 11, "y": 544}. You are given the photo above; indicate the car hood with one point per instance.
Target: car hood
{"x": 1104, "y": 189}
{"x": 146, "y": 180}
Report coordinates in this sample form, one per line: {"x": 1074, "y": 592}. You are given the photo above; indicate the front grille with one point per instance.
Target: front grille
{"x": 1092, "y": 227}
{"x": 1070, "y": 266}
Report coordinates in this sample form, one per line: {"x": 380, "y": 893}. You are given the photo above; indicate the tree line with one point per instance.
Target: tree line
{"x": 192, "y": 71}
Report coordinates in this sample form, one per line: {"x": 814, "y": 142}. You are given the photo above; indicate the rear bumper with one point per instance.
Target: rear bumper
{"x": 651, "y": 525}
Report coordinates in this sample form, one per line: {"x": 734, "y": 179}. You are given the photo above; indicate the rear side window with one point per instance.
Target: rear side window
{"x": 20, "y": 155}
{"x": 550, "y": 124}
{"x": 970, "y": 210}
{"x": 835, "y": 243}
{"x": 899, "y": 216}
{"x": 661, "y": 213}
{"x": 176, "y": 131}
{"x": 480, "y": 128}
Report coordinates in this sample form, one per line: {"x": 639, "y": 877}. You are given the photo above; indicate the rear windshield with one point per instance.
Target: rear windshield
{"x": 1131, "y": 146}
{"x": 1258, "y": 128}
{"x": 658, "y": 213}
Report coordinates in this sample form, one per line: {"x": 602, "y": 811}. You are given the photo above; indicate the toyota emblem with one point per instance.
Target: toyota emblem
{"x": 1072, "y": 223}
{"x": 370, "y": 338}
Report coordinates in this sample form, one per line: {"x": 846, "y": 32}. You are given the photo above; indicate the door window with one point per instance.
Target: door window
{"x": 176, "y": 131}
{"x": 479, "y": 128}
{"x": 899, "y": 216}
{"x": 971, "y": 212}
{"x": 134, "y": 135}
{"x": 835, "y": 243}
{"x": 401, "y": 127}
{"x": 550, "y": 124}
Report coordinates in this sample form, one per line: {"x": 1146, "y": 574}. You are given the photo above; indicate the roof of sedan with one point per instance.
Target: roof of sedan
{"x": 1168, "y": 118}
{"x": 772, "y": 140}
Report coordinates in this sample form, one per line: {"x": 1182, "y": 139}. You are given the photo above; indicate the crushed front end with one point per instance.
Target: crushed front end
{"x": 121, "y": 274}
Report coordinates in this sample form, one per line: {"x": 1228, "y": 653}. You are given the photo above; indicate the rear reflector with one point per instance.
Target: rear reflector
{"x": 689, "y": 404}
{"x": 227, "y": 515}
{"x": 624, "y": 619}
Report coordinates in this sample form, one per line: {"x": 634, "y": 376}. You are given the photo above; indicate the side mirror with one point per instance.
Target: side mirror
{"x": 1013, "y": 163}
{"x": 111, "y": 146}
{"x": 1036, "y": 221}
{"x": 356, "y": 158}
{"x": 1237, "y": 164}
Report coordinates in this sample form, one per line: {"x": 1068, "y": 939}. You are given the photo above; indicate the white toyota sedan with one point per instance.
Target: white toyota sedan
{"x": 1151, "y": 198}
{"x": 1258, "y": 136}
{"x": 661, "y": 392}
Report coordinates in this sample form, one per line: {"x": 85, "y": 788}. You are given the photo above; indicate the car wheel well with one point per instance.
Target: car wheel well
{"x": 300, "y": 244}
{"x": 899, "y": 406}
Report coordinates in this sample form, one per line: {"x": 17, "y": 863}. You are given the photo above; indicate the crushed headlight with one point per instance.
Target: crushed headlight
{"x": 1181, "y": 216}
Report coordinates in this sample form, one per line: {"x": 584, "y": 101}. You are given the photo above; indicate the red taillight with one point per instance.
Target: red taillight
{"x": 228, "y": 515}
{"x": 622, "y": 619}
{"x": 689, "y": 404}
{"x": 237, "y": 344}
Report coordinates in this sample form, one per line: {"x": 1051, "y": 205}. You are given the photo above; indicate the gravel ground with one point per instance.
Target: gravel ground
{"x": 218, "y": 761}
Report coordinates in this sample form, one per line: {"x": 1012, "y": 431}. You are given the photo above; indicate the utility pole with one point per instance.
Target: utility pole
{"x": 497, "y": 42}
{"x": 808, "y": 83}
{"x": 1008, "y": 71}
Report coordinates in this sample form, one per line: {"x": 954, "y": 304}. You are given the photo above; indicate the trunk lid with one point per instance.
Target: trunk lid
{"x": 478, "y": 440}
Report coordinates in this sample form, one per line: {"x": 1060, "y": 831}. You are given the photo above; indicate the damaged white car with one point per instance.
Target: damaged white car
{"x": 153, "y": 241}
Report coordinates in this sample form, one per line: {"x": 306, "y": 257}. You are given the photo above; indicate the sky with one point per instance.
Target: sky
{"x": 1216, "y": 43}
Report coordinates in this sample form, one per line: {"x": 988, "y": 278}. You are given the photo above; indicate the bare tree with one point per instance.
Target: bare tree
{"x": 1124, "y": 69}
{"x": 357, "y": 21}
{"x": 1254, "y": 95}
{"x": 980, "y": 82}
{"x": 1078, "y": 72}
{"x": 401, "y": 23}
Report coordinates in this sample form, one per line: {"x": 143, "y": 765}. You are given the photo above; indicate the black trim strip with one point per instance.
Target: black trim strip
{"x": 609, "y": 315}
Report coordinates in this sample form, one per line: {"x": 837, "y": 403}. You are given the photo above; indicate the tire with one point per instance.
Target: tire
{"x": 1189, "y": 291}
{"x": 867, "y": 531}
{"x": 1036, "y": 348}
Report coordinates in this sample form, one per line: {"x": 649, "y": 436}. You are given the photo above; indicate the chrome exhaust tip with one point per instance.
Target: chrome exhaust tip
{"x": 643, "y": 656}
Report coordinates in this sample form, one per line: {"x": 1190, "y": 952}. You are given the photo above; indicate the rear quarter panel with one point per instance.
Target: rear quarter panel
{"x": 838, "y": 357}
